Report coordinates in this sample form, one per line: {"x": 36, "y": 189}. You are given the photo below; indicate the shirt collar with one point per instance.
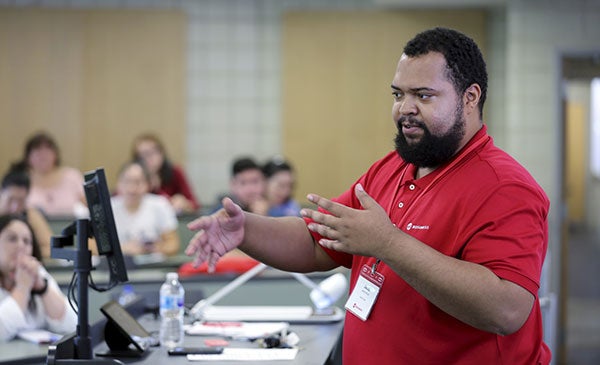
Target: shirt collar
{"x": 411, "y": 170}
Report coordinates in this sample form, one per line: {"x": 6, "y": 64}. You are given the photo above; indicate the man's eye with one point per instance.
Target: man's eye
{"x": 423, "y": 96}
{"x": 397, "y": 95}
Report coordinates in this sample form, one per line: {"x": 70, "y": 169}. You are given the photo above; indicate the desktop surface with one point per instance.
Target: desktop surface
{"x": 316, "y": 344}
{"x": 317, "y": 341}
{"x": 17, "y": 352}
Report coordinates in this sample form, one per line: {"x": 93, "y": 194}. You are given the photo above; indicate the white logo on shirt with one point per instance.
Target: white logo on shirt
{"x": 415, "y": 226}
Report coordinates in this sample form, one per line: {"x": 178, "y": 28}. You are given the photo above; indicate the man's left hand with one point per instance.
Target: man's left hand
{"x": 364, "y": 232}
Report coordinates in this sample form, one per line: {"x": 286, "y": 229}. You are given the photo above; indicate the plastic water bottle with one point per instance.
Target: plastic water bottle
{"x": 127, "y": 295}
{"x": 171, "y": 311}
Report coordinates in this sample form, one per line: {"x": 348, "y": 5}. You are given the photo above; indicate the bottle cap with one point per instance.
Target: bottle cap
{"x": 172, "y": 276}
{"x": 128, "y": 288}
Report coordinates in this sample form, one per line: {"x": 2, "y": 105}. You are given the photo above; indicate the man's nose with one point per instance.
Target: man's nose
{"x": 407, "y": 106}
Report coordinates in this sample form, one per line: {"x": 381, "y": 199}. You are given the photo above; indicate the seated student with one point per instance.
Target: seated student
{"x": 146, "y": 223}
{"x": 29, "y": 297}
{"x": 247, "y": 186}
{"x": 56, "y": 190}
{"x": 166, "y": 178}
{"x": 280, "y": 186}
{"x": 13, "y": 197}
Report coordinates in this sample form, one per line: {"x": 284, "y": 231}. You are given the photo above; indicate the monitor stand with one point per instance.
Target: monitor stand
{"x": 76, "y": 348}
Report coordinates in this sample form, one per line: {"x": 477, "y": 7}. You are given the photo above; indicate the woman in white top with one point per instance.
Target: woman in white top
{"x": 29, "y": 297}
{"x": 146, "y": 223}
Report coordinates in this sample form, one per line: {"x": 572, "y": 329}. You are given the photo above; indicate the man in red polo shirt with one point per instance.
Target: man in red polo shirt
{"x": 445, "y": 236}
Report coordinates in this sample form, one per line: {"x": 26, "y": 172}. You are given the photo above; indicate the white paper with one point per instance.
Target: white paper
{"x": 39, "y": 336}
{"x": 248, "y": 354}
{"x": 258, "y": 313}
{"x": 250, "y": 330}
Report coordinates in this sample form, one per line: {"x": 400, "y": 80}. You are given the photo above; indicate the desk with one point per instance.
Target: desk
{"x": 317, "y": 343}
{"x": 271, "y": 287}
{"x": 18, "y": 352}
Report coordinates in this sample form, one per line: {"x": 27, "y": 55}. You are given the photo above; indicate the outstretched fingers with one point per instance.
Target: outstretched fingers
{"x": 196, "y": 242}
{"x": 199, "y": 247}
{"x": 212, "y": 261}
{"x": 332, "y": 207}
{"x": 199, "y": 223}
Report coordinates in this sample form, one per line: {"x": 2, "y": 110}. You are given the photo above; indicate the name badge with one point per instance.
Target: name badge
{"x": 365, "y": 292}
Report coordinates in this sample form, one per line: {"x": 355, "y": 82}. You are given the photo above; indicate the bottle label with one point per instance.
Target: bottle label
{"x": 171, "y": 302}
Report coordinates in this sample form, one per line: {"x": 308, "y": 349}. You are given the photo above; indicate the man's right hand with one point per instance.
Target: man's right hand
{"x": 217, "y": 234}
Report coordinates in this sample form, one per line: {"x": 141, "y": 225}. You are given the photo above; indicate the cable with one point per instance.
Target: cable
{"x": 70, "y": 294}
{"x": 97, "y": 288}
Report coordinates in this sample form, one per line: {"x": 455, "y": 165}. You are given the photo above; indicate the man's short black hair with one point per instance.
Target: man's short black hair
{"x": 275, "y": 165}
{"x": 463, "y": 58}
{"x": 242, "y": 164}
{"x": 16, "y": 178}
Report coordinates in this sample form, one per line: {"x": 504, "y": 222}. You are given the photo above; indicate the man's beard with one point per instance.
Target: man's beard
{"x": 430, "y": 151}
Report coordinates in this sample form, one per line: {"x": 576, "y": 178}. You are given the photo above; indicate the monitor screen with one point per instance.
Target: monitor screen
{"x": 103, "y": 224}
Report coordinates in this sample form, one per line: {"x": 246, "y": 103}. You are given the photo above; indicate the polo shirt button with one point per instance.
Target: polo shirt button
{"x": 401, "y": 205}
{"x": 411, "y": 186}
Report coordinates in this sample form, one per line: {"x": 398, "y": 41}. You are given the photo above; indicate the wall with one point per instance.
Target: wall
{"x": 336, "y": 102}
{"x": 235, "y": 84}
{"x": 233, "y": 68}
{"x": 233, "y": 77}
{"x": 94, "y": 79}
{"x": 593, "y": 186}
{"x": 536, "y": 33}
{"x": 576, "y": 150}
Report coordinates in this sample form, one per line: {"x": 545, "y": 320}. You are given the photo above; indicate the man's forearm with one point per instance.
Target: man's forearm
{"x": 465, "y": 290}
{"x": 284, "y": 243}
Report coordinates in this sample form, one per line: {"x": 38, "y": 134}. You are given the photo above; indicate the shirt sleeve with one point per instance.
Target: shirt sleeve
{"x": 68, "y": 323}
{"x": 12, "y": 319}
{"x": 511, "y": 237}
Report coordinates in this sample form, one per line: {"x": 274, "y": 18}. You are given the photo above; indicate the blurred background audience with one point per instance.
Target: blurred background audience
{"x": 29, "y": 297}
{"x": 280, "y": 188}
{"x": 247, "y": 186}
{"x": 146, "y": 223}
{"x": 13, "y": 199}
{"x": 55, "y": 189}
{"x": 166, "y": 178}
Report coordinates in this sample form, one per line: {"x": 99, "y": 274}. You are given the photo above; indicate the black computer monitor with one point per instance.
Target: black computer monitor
{"x": 103, "y": 224}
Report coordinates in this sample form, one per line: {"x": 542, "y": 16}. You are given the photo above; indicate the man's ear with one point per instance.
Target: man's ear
{"x": 471, "y": 98}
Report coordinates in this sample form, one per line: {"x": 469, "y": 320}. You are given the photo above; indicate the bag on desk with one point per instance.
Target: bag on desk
{"x": 236, "y": 265}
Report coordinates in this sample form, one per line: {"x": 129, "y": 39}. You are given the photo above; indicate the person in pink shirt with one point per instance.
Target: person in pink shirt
{"x": 56, "y": 190}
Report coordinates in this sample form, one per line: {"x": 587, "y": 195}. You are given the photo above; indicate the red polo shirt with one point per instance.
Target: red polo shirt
{"x": 482, "y": 207}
